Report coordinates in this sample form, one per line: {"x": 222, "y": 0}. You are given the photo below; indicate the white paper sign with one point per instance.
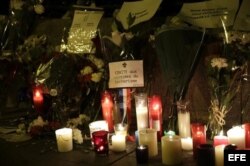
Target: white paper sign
{"x": 82, "y": 30}
{"x": 242, "y": 21}
{"x": 133, "y": 13}
{"x": 126, "y": 74}
{"x": 210, "y": 14}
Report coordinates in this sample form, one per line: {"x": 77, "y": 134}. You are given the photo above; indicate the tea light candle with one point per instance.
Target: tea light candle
{"x": 155, "y": 115}
{"x": 171, "y": 150}
{"x": 219, "y": 155}
{"x": 220, "y": 139}
{"x": 141, "y": 154}
{"x": 64, "y": 139}
{"x": 187, "y": 143}
{"x": 141, "y": 111}
{"x": 118, "y": 143}
{"x": 100, "y": 139}
{"x": 107, "y": 109}
{"x": 149, "y": 137}
{"x": 236, "y": 135}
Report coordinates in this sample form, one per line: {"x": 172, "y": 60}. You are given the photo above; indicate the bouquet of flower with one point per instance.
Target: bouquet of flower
{"x": 226, "y": 71}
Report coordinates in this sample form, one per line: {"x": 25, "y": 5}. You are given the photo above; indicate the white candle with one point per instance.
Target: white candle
{"x": 64, "y": 139}
{"x": 236, "y": 135}
{"x": 187, "y": 143}
{"x": 141, "y": 111}
{"x": 121, "y": 129}
{"x": 118, "y": 143}
{"x": 97, "y": 126}
{"x": 171, "y": 150}
{"x": 149, "y": 137}
{"x": 219, "y": 155}
{"x": 184, "y": 124}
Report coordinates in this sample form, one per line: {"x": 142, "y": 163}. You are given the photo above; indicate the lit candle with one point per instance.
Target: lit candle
{"x": 149, "y": 137}
{"x": 183, "y": 119}
{"x": 219, "y": 155}
{"x": 107, "y": 109}
{"x": 205, "y": 155}
{"x": 64, "y": 139}
{"x": 97, "y": 126}
{"x": 100, "y": 139}
{"x": 187, "y": 143}
{"x": 199, "y": 136}
{"x": 236, "y": 135}
{"x": 155, "y": 115}
{"x": 38, "y": 99}
{"x": 121, "y": 129}
{"x": 169, "y": 133}
{"x": 118, "y": 143}
{"x": 141, "y": 111}
{"x": 171, "y": 150}
{"x": 142, "y": 154}
{"x": 220, "y": 139}
{"x": 246, "y": 127}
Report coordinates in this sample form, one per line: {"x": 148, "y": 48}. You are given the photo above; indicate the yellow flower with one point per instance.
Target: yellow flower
{"x": 219, "y": 63}
{"x": 86, "y": 70}
{"x": 96, "y": 77}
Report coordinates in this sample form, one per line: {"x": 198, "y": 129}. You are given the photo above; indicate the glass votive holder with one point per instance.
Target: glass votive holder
{"x": 100, "y": 141}
{"x": 121, "y": 129}
{"x": 97, "y": 126}
{"x": 64, "y": 139}
{"x": 142, "y": 154}
{"x": 205, "y": 155}
{"x": 199, "y": 136}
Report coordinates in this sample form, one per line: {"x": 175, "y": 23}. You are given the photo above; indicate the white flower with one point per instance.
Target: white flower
{"x": 219, "y": 63}
{"x": 99, "y": 63}
{"x": 38, "y": 122}
{"x": 77, "y": 136}
{"x": 96, "y": 77}
{"x": 53, "y": 92}
{"x": 86, "y": 70}
{"x": 39, "y": 9}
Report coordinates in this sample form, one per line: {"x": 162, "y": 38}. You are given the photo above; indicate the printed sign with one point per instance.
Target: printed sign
{"x": 242, "y": 21}
{"x": 133, "y": 13}
{"x": 126, "y": 74}
{"x": 210, "y": 14}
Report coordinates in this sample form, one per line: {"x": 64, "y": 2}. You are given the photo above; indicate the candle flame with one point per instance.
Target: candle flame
{"x": 37, "y": 93}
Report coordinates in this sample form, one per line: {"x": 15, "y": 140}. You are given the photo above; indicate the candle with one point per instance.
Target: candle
{"x": 107, "y": 109}
{"x": 97, "y": 126}
{"x": 64, "y": 139}
{"x": 141, "y": 111}
{"x": 100, "y": 139}
{"x": 183, "y": 119}
{"x": 155, "y": 115}
{"x": 199, "y": 136}
{"x": 219, "y": 155}
{"x": 142, "y": 154}
{"x": 205, "y": 155}
{"x": 149, "y": 137}
{"x": 236, "y": 135}
{"x": 246, "y": 127}
{"x": 169, "y": 133}
{"x": 220, "y": 139}
{"x": 118, "y": 143}
{"x": 38, "y": 99}
{"x": 121, "y": 129}
{"x": 187, "y": 143}
{"x": 171, "y": 150}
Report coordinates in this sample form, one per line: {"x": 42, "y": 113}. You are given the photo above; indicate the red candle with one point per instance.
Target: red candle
{"x": 38, "y": 99}
{"x": 100, "y": 140}
{"x": 246, "y": 127}
{"x": 199, "y": 136}
{"x": 155, "y": 114}
{"x": 220, "y": 139}
{"x": 107, "y": 109}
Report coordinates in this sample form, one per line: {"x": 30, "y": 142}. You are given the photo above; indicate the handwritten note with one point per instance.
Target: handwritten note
{"x": 126, "y": 74}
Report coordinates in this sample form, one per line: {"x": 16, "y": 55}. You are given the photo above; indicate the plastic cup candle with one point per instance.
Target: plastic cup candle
{"x": 118, "y": 143}
{"x": 199, "y": 136}
{"x": 171, "y": 150}
{"x": 107, "y": 109}
{"x": 64, "y": 139}
{"x": 100, "y": 139}
{"x": 220, "y": 139}
{"x": 183, "y": 119}
{"x": 155, "y": 115}
{"x": 141, "y": 111}
{"x": 38, "y": 99}
{"x": 121, "y": 129}
{"x": 149, "y": 137}
{"x": 236, "y": 135}
{"x": 141, "y": 154}
{"x": 187, "y": 143}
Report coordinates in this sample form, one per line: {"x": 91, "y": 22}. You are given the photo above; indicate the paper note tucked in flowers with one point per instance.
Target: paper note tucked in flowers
{"x": 242, "y": 21}
{"x": 126, "y": 74}
{"x": 133, "y": 13}
{"x": 82, "y": 30}
{"x": 210, "y": 14}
